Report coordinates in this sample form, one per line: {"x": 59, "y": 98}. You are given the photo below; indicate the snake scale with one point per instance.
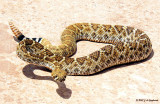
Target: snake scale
{"x": 124, "y": 45}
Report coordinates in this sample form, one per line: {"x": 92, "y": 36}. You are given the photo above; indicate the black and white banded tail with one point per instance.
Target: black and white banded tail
{"x": 19, "y": 35}
{"x": 36, "y": 39}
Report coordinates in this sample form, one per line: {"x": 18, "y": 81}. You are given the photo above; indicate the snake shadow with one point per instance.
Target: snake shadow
{"x": 62, "y": 90}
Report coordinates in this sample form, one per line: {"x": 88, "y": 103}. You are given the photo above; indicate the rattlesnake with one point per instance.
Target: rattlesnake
{"x": 125, "y": 44}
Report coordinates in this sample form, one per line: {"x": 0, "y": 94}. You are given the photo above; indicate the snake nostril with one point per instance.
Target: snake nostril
{"x": 54, "y": 77}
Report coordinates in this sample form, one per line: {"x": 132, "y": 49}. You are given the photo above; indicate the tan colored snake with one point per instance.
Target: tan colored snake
{"x": 124, "y": 44}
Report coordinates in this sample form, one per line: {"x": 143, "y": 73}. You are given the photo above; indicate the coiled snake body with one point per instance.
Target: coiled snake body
{"x": 125, "y": 44}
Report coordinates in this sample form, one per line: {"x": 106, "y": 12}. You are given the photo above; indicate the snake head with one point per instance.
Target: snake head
{"x": 59, "y": 74}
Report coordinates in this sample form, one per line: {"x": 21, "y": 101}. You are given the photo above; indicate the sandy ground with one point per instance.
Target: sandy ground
{"x": 23, "y": 83}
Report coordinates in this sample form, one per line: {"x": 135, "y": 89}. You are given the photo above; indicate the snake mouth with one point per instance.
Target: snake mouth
{"x": 56, "y": 78}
